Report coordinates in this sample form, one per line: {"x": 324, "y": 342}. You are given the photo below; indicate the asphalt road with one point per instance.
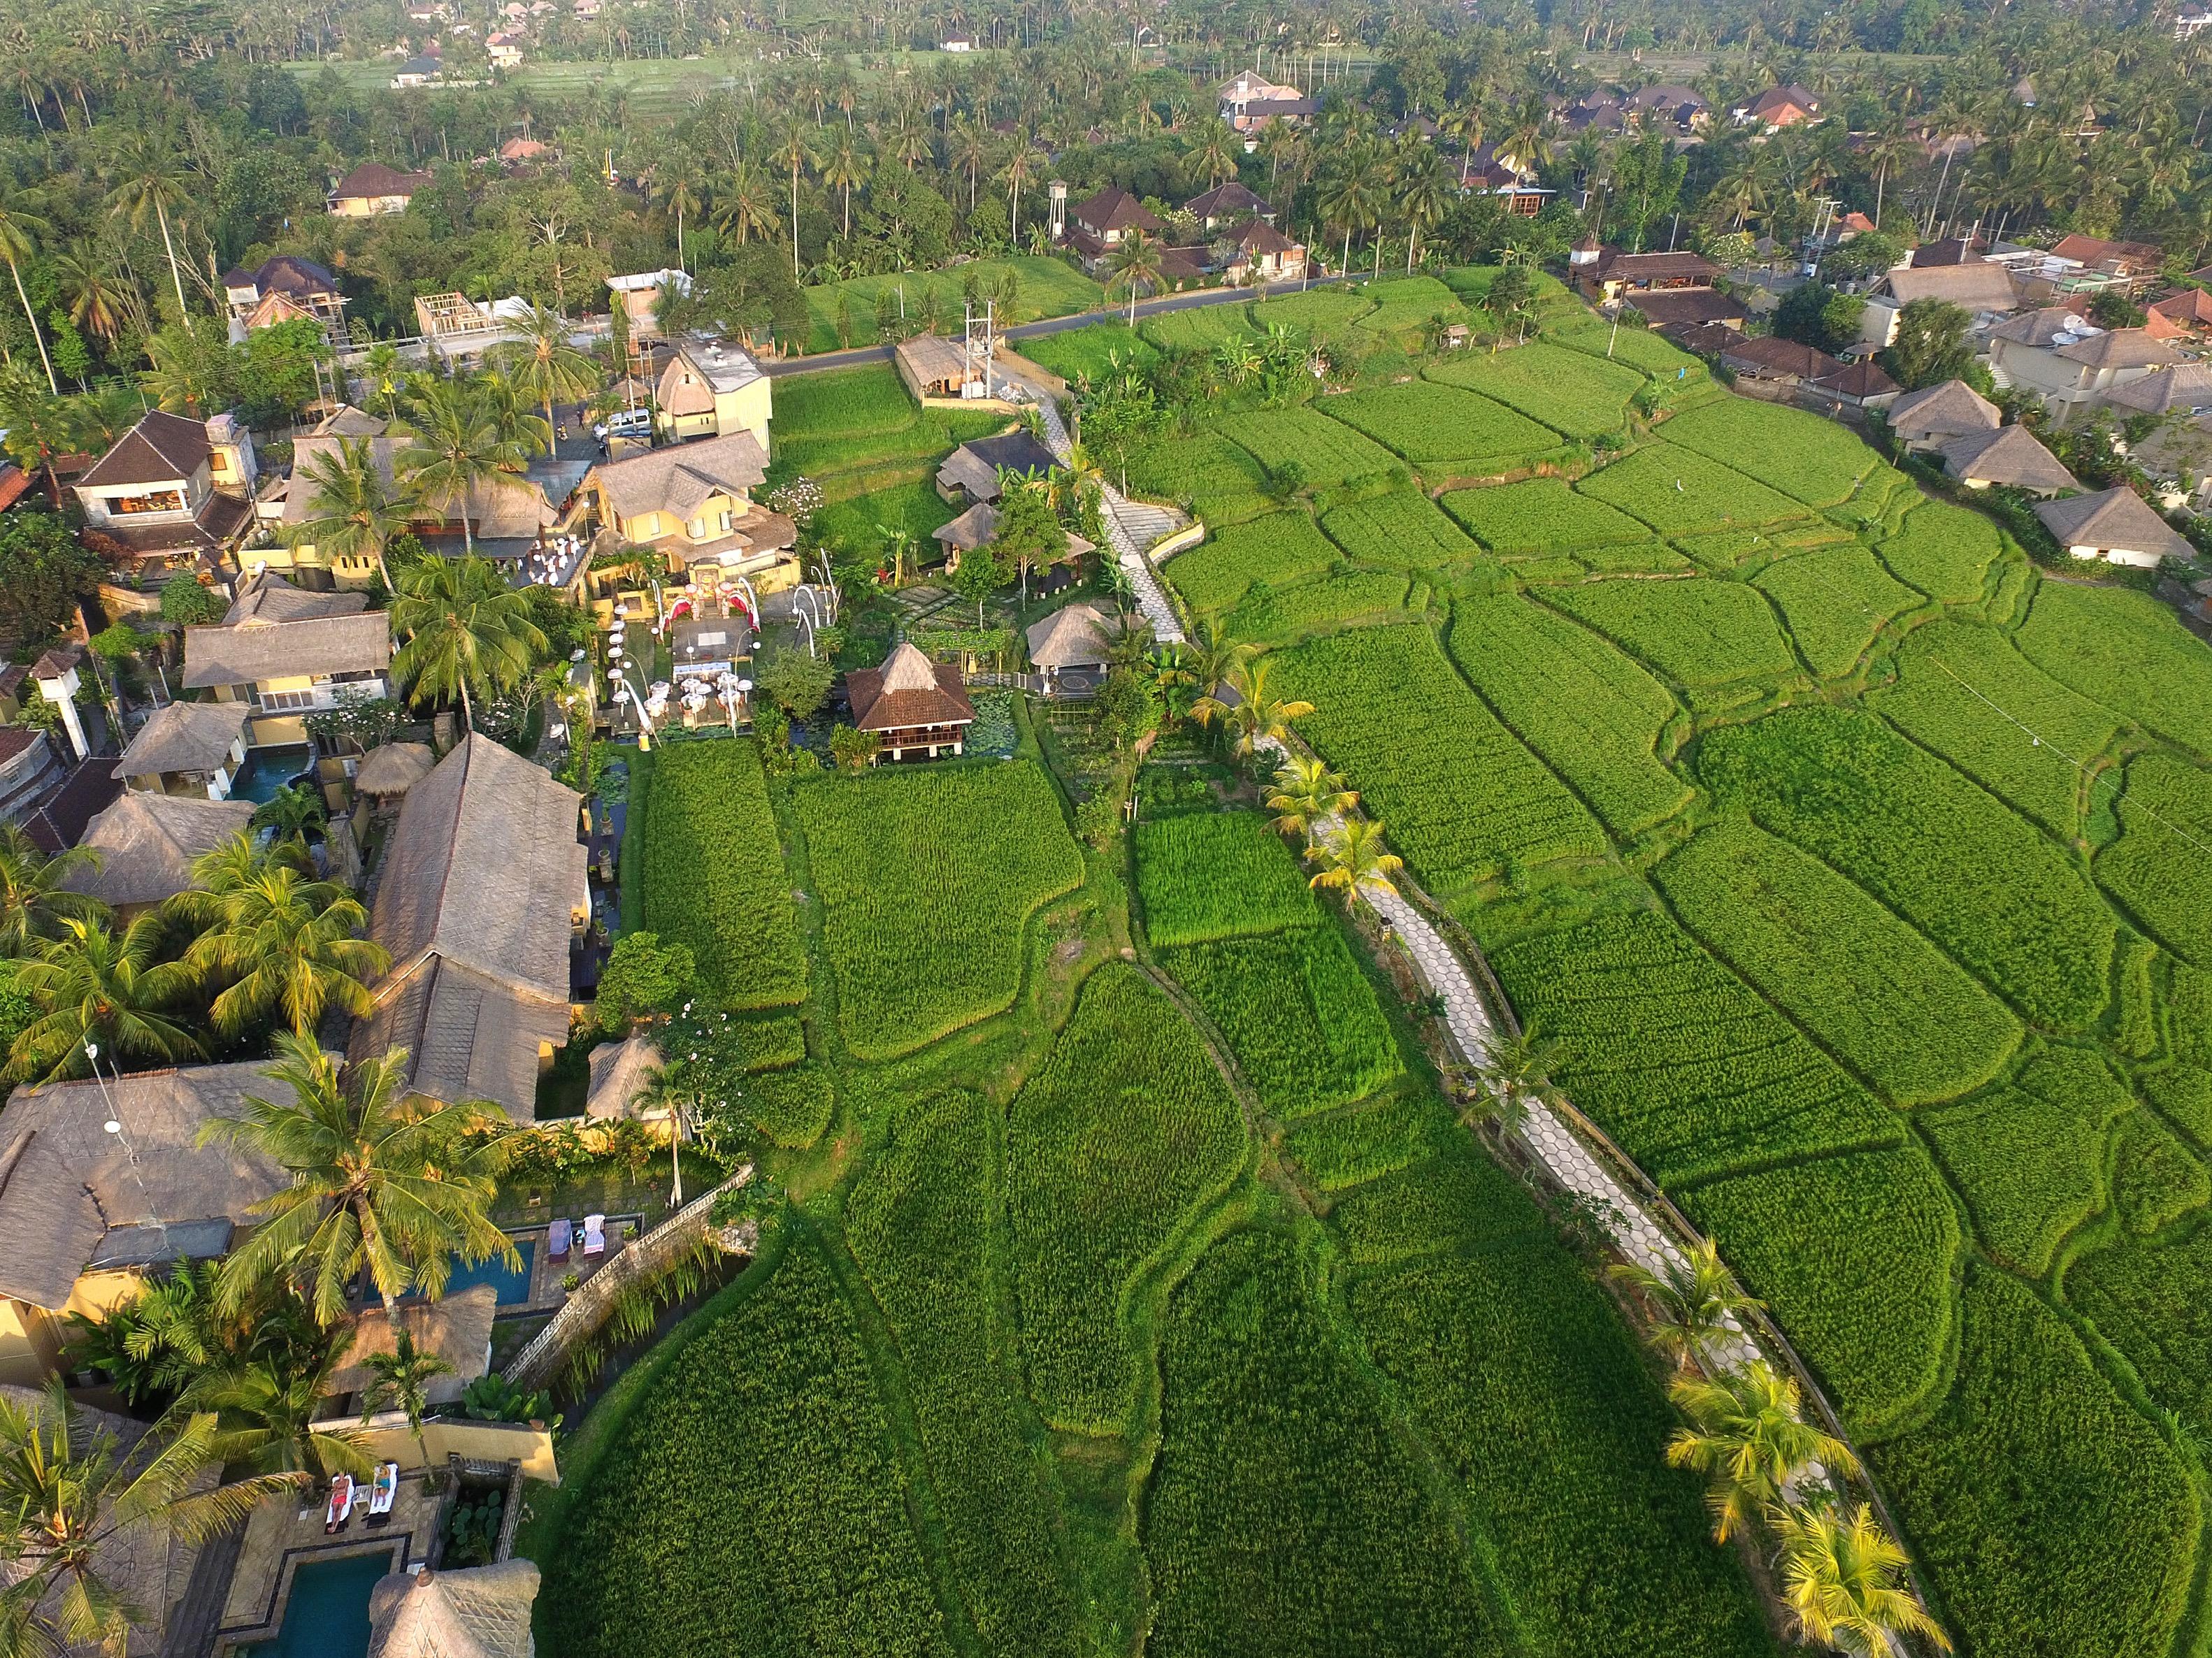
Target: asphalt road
{"x": 1030, "y": 331}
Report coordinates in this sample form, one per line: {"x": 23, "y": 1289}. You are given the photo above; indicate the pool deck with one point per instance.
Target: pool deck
{"x": 281, "y": 1536}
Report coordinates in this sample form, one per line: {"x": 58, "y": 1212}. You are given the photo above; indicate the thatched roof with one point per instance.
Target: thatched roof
{"x": 909, "y": 690}
{"x": 72, "y": 1194}
{"x": 1978, "y": 286}
{"x": 147, "y": 844}
{"x": 1074, "y": 636}
{"x": 678, "y": 480}
{"x": 394, "y": 768}
{"x": 2009, "y": 455}
{"x": 931, "y": 358}
{"x": 1948, "y": 408}
{"x": 481, "y": 880}
{"x": 2112, "y": 520}
{"x": 184, "y": 736}
{"x": 457, "y": 1329}
{"x": 2187, "y": 389}
{"x": 267, "y": 597}
{"x": 312, "y": 647}
{"x": 479, "y": 1612}
{"x": 618, "y": 1075}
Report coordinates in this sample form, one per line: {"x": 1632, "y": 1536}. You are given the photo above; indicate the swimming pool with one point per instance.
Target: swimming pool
{"x": 512, "y": 1283}
{"x": 267, "y": 770}
{"x": 327, "y": 1616}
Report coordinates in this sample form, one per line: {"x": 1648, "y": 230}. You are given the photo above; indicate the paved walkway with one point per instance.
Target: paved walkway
{"x": 1129, "y": 549}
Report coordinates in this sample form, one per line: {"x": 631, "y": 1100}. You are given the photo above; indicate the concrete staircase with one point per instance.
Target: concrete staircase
{"x": 1127, "y": 527}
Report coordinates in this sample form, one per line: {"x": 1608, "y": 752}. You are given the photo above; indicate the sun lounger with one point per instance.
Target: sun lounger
{"x": 383, "y": 1493}
{"x": 557, "y": 1238}
{"x": 339, "y": 1509}
{"x": 595, "y": 1235}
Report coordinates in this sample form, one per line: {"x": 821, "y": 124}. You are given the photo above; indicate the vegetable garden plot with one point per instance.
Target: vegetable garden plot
{"x": 1810, "y": 460}
{"x": 1298, "y": 1013}
{"x": 2164, "y": 881}
{"x": 2127, "y": 651}
{"x": 2153, "y": 1300}
{"x": 928, "y": 876}
{"x": 713, "y": 874}
{"x": 1679, "y": 491}
{"x": 1217, "y": 479}
{"x": 1963, "y": 691}
{"x": 1944, "y": 550}
{"x": 1401, "y": 530}
{"x": 2052, "y": 1518}
{"x": 1978, "y": 880}
{"x": 1853, "y": 1255}
{"x": 1718, "y": 639}
{"x": 1351, "y": 599}
{"x": 1847, "y": 968}
{"x": 1568, "y": 391}
{"x": 1589, "y": 711}
{"x": 1461, "y": 797}
{"x": 1324, "y": 311}
{"x": 1835, "y": 600}
{"x": 1221, "y": 875}
{"x": 1280, "y": 549}
{"x": 1110, "y": 1146}
{"x": 1539, "y": 515}
{"x": 1432, "y": 426}
{"x": 920, "y": 1224}
{"x": 754, "y": 1489}
{"x": 1328, "y": 451}
{"x": 1285, "y": 1517}
{"x": 2029, "y": 1155}
{"x": 1676, "y": 1058}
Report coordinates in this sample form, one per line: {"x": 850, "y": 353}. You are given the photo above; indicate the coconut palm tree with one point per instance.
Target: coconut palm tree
{"x": 544, "y": 362}
{"x": 845, "y": 165}
{"x": 33, "y": 899}
{"x": 1209, "y": 657}
{"x": 286, "y": 945}
{"x": 744, "y": 207}
{"x": 1353, "y": 860}
{"x": 20, "y": 230}
{"x": 464, "y": 627}
{"x": 269, "y": 1418}
{"x": 1843, "y": 1577}
{"x": 1353, "y": 200}
{"x": 1423, "y": 191}
{"x": 1023, "y": 165}
{"x": 1257, "y": 716}
{"x": 794, "y": 151}
{"x": 77, "y": 1499}
{"x": 292, "y": 813}
{"x": 1464, "y": 124}
{"x": 1514, "y": 1072}
{"x": 1213, "y": 150}
{"x": 353, "y": 507}
{"x": 91, "y": 985}
{"x": 675, "y": 185}
{"x": 1134, "y": 262}
{"x": 1695, "y": 1301}
{"x": 398, "y": 1184}
{"x": 452, "y": 448}
{"x": 968, "y": 149}
{"x": 400, "y": 1381}
{"x": 1747, "y": 1438}
{"x": 149, "y": 177}
{"x": 521, "y": 431}
{"x": 1306, "y": 796}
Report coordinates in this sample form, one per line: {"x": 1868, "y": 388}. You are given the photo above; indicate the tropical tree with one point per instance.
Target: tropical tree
{"x": 1354, "y": 198}
{"x": 1134, "y": 262}
{"x": 149, "y": 177}
{"x": 287, "y": 946}
{"x": 1212, "y": 151}
{"x": 454, "y": 447}
{"x": 1353, "y": 860}
{"x": 1258, "y": 717}
{"x": 269, "y": 1418}
{"x": 1513, "y": 1072}
{"x": 97, "y": 301}
{"x": 541, "y": 360}
{"x": 34, "y": 897}
{"x": 744, "y": 205}
{"x": 1843, "y": 1577}
{"x": 1306, "y": 795}
{"x": 1695, "y": 1301}
{"x": 398, "y": 1185}
{"x": 76, "y": 1500}
{"x": 353, "y": 507}
{"x": 1423, "y": 191}
{"x": 675, "y": 185}
{"x": 1745, "y": 1435}
{"x": 400, "y": 1381}
{"x": 796, "y": 152}
{"x": 466, "y": 627}
{"x": 20, "y": 230}
{"x": 843, "y": 165}
{"x": 1021, "y": 169}
{"x": 93, "y": 986}
{"x": 292, "y": 813}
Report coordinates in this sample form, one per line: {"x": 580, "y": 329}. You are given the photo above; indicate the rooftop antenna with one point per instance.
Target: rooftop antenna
{"x": 114, "y": 1126}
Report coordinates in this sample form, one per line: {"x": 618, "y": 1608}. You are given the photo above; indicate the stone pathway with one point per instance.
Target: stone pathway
{"x": 1129, "y": 545}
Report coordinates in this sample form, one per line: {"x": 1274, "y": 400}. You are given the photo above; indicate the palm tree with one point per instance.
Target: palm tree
{"x": 1306, "y": 795}
{"x": 1514, "y": 1072}
{"x": 1746, "y": 1435}
{"x": 287, "y": 945}
{"x": 1021, "y": 169}
{"x": 269, "y": 1418}
{"x": 1695, "y": 1301}
{"x": 1844, "y": 1579}
{"x": 20, "y": 230}
{"x": 33, "y": 897}
{"x": 1354, "y": 861}
{"x": 794, "y": 151}
{"x": 1465, "y": 125}
{"x": 292, "y": 813}
{"x": 453, "y": 448}
{"x": 968, "y": 149}
{"x": 149, "y": 177}
{"x": 400, "y": 1380}
{"x": 91, "y": 985}
{"x": 80, "y": 1499}
{"x": 1210, "y": 656}
{"x": 742, "y": 207}
{"x": 676, "y": 187}
{"x": 353, "y": 507}
{"x": 465, "y": 626}
{"x": 1257, "y": 717}
{"x": 377, "y": 1179}
{"x": 1354, "y": 199}
{"x": 545, "y": 362}
{"x": 1424, "y": 193}
{"x": 1212, "y": 151}
{"x": 844, "y": 165}
{"x": 1135, "y": 262}
{"x": 520, "y": 430}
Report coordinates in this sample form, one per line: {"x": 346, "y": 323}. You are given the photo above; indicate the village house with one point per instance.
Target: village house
{"x": 2009, "y": 456}
{"x": 1778, "y": 107}
{"x": 970, "y": 473}
{"x": 711, "y": 388}
{"x": 1070, "y": 649}
{"x": 483, "y": 889}
{"x": 1932, "y": 416}
{"x": 2184, "y": 389}
{"x": 1264, "y": 254}
{"x": 919, "y": 709}
{"x": 1862, "y": 384}
{"x": 86, "y": 1213}
{"x": 2188, "y": 311}
{"x": 978, "y": 524}
{"x": 30, "y": 770}
{"x": 693, "y": 503}
{"x": 373, "y": 189}
{"x": 1606, "y": 273}
{"x": 1673, "y": 108}
{"x": 173, "y": 491}
{"x": 1692, "y": 307}
{"x": 1249, "y": 101}
{"x": 195, "y": 748}
{"x": 282, "y": 654}
{"x": 639, "y": 294}
{"x": 2118, "y": 527}
{"x": 1784, "y": 363}
{"x": 2071, "y": 365}
{"x": 285, "y": 289}
{"x": 1101, "y": 224}
{"x": 505, "y": 50}
{"x": 932, "y": 365}
{"x": 1228, "y": 203}
{"x": 416, "y": 72}
{"x": 146, "y": 844}
{"x": 476, "y": 1612}
{"x": 1985, "y": 291}
{"x": 1509, "y": 179}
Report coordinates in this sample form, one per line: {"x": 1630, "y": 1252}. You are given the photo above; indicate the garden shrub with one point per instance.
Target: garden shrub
{"x": 1123, "y": 1130}
{"x": 1679, "y": 491}
{"x": 1326, "y": 453}
{"x": 1981, "y": 883}
{"x": 2154, "y": 869}
{"x": 928, "y": 876}
{"x": 1835, "y": 600}
{"x": 1539, "y": 515}
{"x": 1870, "y": 988}
{"x": 1719, "y": 639}
{"x": 1817, "y": 461}
{"x": 1944, "y": 550}
{"x": 2127, "y": 651}
{"x": 1401, "y": 530}
{"x": 1441, "y": 428}
{"x": 1569, "y": 391}
{"x": 1218, "y": 874}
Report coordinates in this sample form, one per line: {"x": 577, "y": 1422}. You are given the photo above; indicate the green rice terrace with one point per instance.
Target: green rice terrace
{"x": 1133, "y": 1283}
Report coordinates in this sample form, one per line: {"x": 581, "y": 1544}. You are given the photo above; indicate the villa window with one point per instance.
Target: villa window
{"x": 156, "y": 501}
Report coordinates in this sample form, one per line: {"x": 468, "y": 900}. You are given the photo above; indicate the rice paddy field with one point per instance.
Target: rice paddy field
{"x": 1143, "y": 1292}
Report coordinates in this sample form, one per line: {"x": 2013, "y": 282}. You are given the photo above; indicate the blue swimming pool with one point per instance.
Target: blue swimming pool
{"x": 267, "y": 770}
{"x": 512, "y": 1283}
{"x": 327, "y": 1616}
